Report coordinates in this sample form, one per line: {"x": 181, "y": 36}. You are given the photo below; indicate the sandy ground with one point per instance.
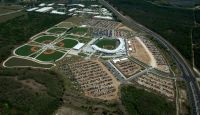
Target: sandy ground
{"x": 144, "y": 55}
{"x": 122, "y": 27}
{"x": 152, "y": 59}
{"x": 139, "y": 52}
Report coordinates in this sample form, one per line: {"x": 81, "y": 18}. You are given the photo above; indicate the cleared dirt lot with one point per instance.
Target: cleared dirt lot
{"x": 140, "y": 53}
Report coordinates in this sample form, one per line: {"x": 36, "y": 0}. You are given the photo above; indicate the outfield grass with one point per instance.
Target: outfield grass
{"x": 14, "y": 61}
{"x": 140, "y": 102}
{"x": 56, "y": 30}
{"x": 24, "y": 50}
{"x": 44, "y": 38}
{"x": 69, "y": 43}
{"x": 50, "y": 57}
{"x": 107, "y": 43}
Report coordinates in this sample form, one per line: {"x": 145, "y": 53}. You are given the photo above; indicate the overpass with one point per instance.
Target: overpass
{"x": 187, "y": 73}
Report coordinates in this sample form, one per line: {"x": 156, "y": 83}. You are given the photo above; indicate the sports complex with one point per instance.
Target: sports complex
{"x": 49, "y": 46}
{"x": 110, "y": 46}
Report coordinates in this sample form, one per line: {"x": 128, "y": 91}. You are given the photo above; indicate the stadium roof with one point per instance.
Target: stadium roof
{"x": 104, "y": 17}
{"x": 32, "y": 9}
{"x": 118, "y": 49}
{"x": 78, "y": 46}
{"x": 81, "y": 5}
{"x": 56, "y": 12}
{"x": 44, "y": 9}
{"x": 42, "y": 4}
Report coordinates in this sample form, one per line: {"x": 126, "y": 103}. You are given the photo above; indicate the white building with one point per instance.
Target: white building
{"x": 44, "y": 9}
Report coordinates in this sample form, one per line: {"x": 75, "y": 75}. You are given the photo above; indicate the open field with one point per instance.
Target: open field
{"x": 67, "y": 43}
{"x": 24, "y": 50}
{"x": 79, "y": 30}
{"x": 139, "y": 52}
{"x": 52, "y": 56}
{"x": 80, "y": 39}
{"x": 10, "y": 12}
{"x": 19, "y": 62}
{"x": 107, "y": 43}
{"x": 2, "y": 10}
{"x": 57, "y": 30}
{"x": 42, "y": 39}
{"x": 75, "y": 20}
{"x": 5, "y": 18}
{"x": 65, "y": 25}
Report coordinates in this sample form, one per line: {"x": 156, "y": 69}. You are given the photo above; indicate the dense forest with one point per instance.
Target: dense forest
{"x": 174, "y": 24}
{"x": 19, "y": 30}
{"x": 140, "y": 102}
{"x": 196, "y": 46}
{"x": 27, "y": 91}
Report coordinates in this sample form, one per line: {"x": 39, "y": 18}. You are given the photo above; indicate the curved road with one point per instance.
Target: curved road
{"x": 187, "y": 72}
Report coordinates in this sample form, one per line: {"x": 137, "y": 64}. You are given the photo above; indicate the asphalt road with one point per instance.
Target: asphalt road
{"x": 187, "y": 72}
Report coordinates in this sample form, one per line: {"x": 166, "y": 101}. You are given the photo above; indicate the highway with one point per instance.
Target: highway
{"x": 187, "y": 73}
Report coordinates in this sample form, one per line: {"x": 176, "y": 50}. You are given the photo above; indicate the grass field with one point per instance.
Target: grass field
{"x": 65, "y": 24}
{"x": 24, "y": 50}
{"x": 56, "y": 30}
{"x": 71, "y": 36}
{"x": 45, "y": 38}
{"x": 14, "y": 61}
{"x": 79, "y": 30}
{"x": 3, "y": 11}
{"x": 80, "y": 39}
{"x": 50, "y": 57}
{"x": 107, "y": 43}
{"x": 68, "y": 43}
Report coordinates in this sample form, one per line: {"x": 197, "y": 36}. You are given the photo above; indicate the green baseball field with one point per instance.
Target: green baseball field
{"x": 26, "y": 50}
{"x": 50, "y": 56}
{"x": 45, "y": 38}
{"x": 107, "y": 43}
{"x": 67, "y": 43}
